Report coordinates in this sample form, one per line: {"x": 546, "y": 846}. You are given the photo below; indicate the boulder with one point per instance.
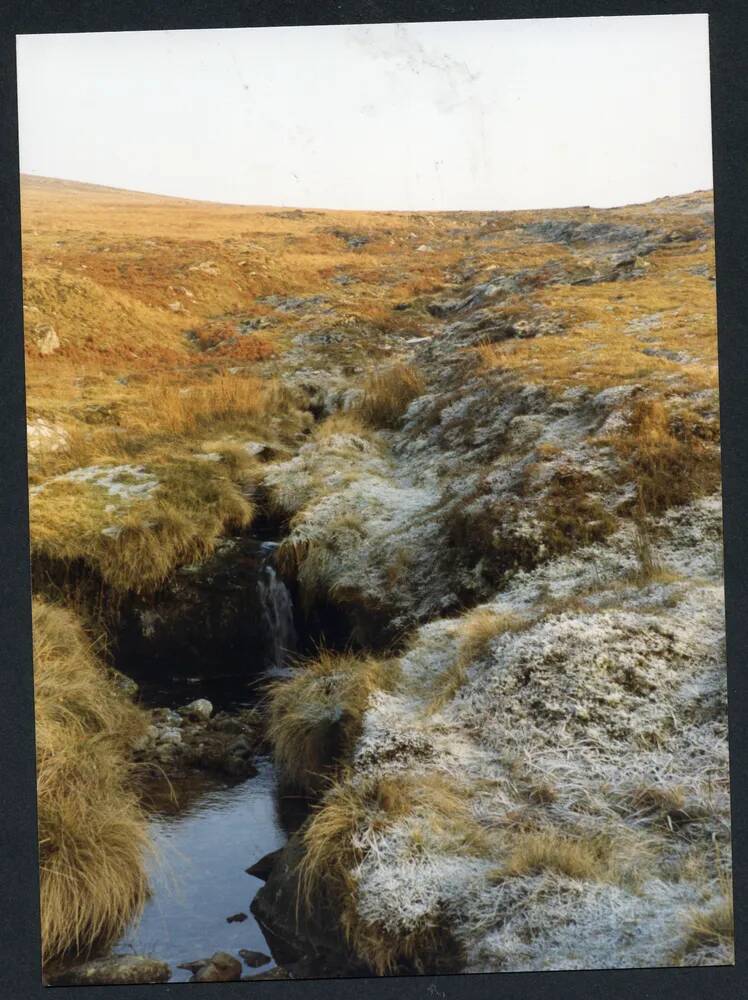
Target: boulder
{"x": 201, "y": 710}
{"x": 261, "y": 869}
{"x": 125, "y": 970}
{"x": 44, "y": 338}
{"x": 254, "y": 959}
{"x": 221, "y": 967}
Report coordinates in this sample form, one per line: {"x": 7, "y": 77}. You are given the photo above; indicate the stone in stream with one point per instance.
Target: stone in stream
{"x": 236, "y": 918}
{"x": 254, "y": 959}
{"x": 261, "y": 869}
{"x": 219, "y": 968}
{"x": 127, "y": 970}
{"x": 200, "y": 710}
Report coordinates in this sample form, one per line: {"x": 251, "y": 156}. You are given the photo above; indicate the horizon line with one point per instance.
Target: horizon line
{"x": 24, "y": 176}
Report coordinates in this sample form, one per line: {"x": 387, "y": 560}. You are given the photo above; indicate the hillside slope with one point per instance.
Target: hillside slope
{"x": 490, "y": 442}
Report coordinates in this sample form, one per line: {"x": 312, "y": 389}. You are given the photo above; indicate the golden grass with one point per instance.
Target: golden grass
{"x": 315, "y": 717}
{"x": 135, "y": 547}
{"x": 344, "y": 423}
{"x": 671, "y": 457}
{"x": 548, "y": 850}
{"x": 712, "y": 927}
{"x": 599, "y": 349}
{"x": 353, "y": 813}
{"x": 388, "y": 393}
{"x": 184, "y": 409}
{"x": 92, "y": 834}
{"x": 477, "y": 630}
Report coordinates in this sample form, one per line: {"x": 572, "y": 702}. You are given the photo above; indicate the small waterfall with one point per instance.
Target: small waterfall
{"x": 277, "y": 612}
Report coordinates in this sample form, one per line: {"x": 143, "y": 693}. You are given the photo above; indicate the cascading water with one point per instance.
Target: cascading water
{"x": 276, "y": 608}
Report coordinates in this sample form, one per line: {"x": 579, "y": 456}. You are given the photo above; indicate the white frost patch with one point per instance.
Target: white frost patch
{"x": 576, "y": 925}
{"x": 125, "y": 482}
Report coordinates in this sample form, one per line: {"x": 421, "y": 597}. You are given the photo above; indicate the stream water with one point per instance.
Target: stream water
{"x": 198, "y": 876}
{"x": 208, "y": 830}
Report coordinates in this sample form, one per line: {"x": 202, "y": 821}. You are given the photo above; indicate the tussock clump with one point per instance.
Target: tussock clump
{"x": 709, "y": 930}
{"x": 183, "y": 409}
{"x": 315, "y": 716}
{"x": 350, "y": 819}
{"x": 548, "y": 850}
{"x": 134, "y": 544}
{"x": 572, "y": 513}
{"x": 477, "y": 629}
{"x": 672, "y": 458}
{"x": 92, "y": 834}
{"x": 344, "y": 423}
{"x": 387, "y": 395}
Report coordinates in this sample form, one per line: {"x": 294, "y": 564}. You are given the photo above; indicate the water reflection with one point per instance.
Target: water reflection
{"x": 198, "y": 876}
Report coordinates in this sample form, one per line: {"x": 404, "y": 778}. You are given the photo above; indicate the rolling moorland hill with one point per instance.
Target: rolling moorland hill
{"x": 488, "y": 444}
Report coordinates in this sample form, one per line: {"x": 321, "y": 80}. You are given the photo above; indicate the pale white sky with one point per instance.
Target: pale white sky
{"x": 463, "y": 115}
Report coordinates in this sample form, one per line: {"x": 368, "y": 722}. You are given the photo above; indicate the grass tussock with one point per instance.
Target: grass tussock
{"x": 572, "y": 513}
{"x": 315, "y": 717}
{"x": 712, "y": 928}
{"x": 351, "y": 816}
{"x": 388, "y": 393}
{"x": 135, "y": 546}
{"x": 478, "y": 628}
{"x": 672, "y": 458}
{"x": 344, "y": 423}
{"x": 183, "y": 409}
{"x": 92, "y": 834}
{"x": 548, "y": 850}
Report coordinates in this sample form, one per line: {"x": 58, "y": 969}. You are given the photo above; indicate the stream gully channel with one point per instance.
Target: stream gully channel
{"x": 208, "y": 828}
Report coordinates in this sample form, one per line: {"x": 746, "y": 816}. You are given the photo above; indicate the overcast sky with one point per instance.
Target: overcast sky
{"x": 463, "y": 115}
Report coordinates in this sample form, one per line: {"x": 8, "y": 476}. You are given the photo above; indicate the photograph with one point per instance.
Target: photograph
{"x": 375, "y": 500}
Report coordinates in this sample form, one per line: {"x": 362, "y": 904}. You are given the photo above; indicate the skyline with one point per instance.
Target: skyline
{"x": 442, "y": 116}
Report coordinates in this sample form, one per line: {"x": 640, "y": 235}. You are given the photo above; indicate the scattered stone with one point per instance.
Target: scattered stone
{"x": 254, "y": 959}
{"x": 126, "y": 970}
{"x": 45, "y": 339}
{"x": 42, "y": 435}
{"x": 236, "y": 918}
{"x": 206, "y": 267}
{"x": 221, "y": 967}
{"x": 201, "y": 710}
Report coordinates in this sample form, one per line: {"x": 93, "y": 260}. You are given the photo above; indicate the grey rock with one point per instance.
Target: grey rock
{"x": 221, "y": 967}
{"x": 127, "y": 970}
{"x": 200, "y": 709}
{"x": 254, "y": 959}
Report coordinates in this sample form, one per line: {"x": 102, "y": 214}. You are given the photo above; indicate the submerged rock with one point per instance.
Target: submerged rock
{"x": 125, "y": 970}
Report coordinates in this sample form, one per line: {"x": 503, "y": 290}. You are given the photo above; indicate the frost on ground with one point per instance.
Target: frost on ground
{"x": 585, "y": 738}
{"x": 545, "y": 785}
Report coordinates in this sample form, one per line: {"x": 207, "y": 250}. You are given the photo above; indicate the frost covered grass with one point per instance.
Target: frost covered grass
{"x": 709, "y": 930}
{"x": 314, "y": 717}
{"x": 353, "y": 816}
{"x": 570, "y": 712}
{"x": 131, "y": 526}
{"x": 476, "y": 630}
{"x": 92, "y": 833}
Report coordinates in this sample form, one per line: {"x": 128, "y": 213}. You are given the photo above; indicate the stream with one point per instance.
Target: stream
{"x": 198, "y": 876}
{"x": 207, "y": 829}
